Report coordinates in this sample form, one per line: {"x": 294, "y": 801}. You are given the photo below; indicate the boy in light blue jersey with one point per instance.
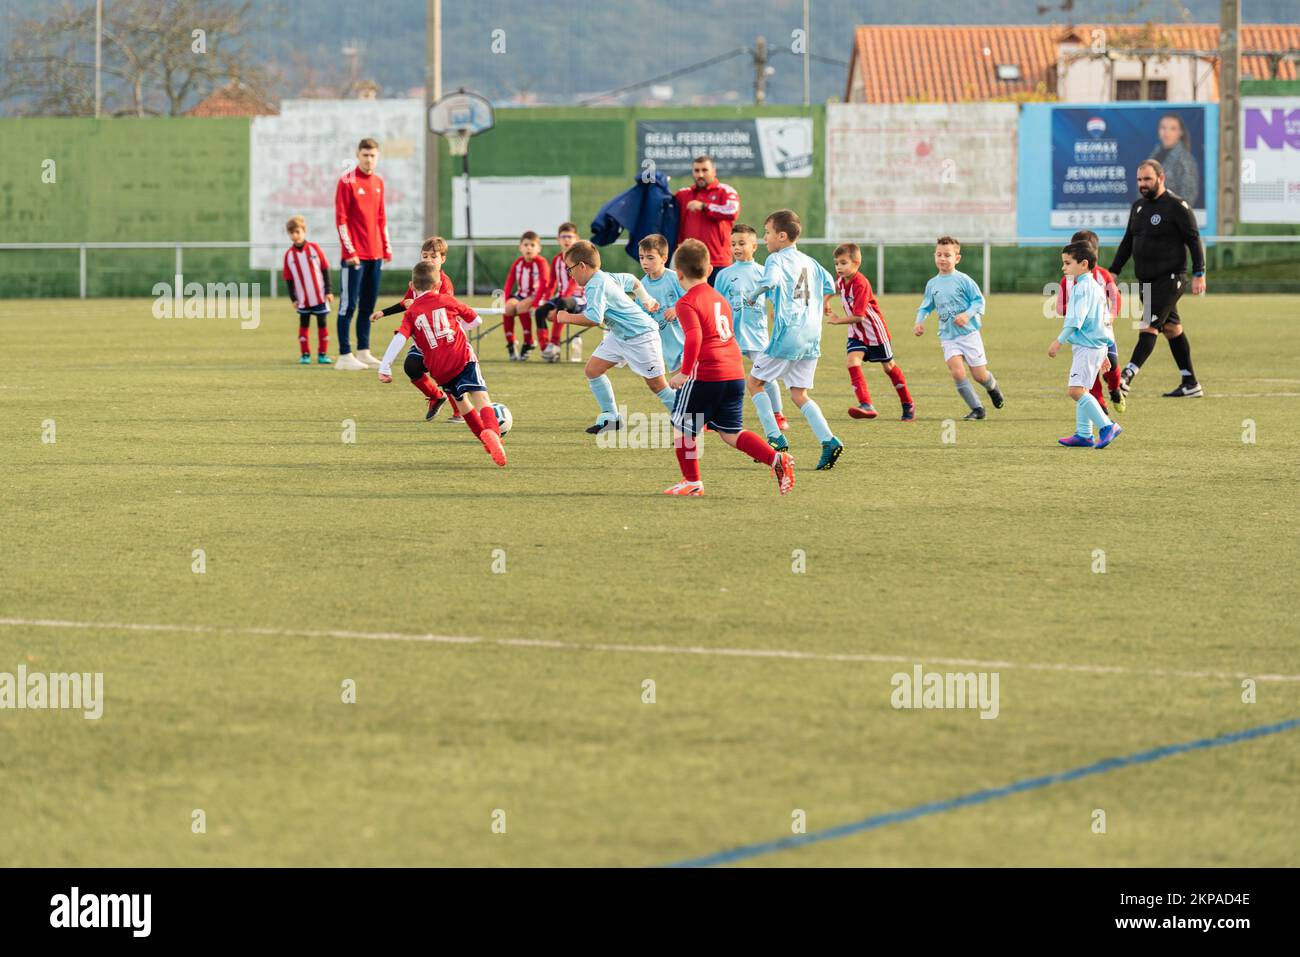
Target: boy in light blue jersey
{"x": 798, "y": 287}
{"x": 960, "y": 305}
{"x": 662, "y": 285}
{"x": 734, "y": 283}
{"x": 1085, "y": 328}
{"x": 631, "y": 333}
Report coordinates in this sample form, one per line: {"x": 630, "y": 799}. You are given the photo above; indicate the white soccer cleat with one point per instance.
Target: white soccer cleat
{"x": 350, "y": 363}
{"x": 369, "y": 361}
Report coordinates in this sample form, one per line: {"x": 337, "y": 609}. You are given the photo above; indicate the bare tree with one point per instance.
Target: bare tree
{"x": 158, "y": 57}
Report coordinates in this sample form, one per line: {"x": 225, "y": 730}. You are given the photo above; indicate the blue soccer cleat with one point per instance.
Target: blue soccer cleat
{"x": 324, "y": 360}
{"x": 778, "y": 442}
{"x": 304, "y": 359}
{"x": 831, "y": 451}
{"x": 1078, "y": 442}
{"x": 1109, "y": 433}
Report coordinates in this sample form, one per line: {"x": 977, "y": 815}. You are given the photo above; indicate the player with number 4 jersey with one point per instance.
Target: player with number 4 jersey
{"x": 438, "y": 324}
{"x": 711, "y": 384}
{"x": 798, "y": 287}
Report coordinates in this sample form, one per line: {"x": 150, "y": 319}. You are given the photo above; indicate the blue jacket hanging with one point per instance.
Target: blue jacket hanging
{"x": 646, "y": 208}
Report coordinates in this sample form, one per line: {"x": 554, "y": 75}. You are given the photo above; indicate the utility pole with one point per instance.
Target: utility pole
{"x": 807, "y": 55}
{"x": 432, "y": 94}
{"x": 1229, "y": 114}
{"x": 760, "y": 70}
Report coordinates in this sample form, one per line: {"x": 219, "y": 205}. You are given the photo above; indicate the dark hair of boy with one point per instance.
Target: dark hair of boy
{"x": 848, "y": 249}
{"x": 947, "y": 241}
{"x": 654, "y": 242}
{"x": 530, "y": 235}
{"x": 567, "y": 228}
{"x": 785, "y": 221}
{"x": 584, "y": 253}
{"x": 1087, "y": 236}
{"x": 691, "y": 259}
{"x": 744, "y": 228}
{"x": 422, "y": 277}
{"x": 1081, "y": 252}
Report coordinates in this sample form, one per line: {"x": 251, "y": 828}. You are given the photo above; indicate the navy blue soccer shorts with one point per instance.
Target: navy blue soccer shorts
{"x": 719, "y": 404}
{"x": 880, "y": 353}
{"x": 469, "y": 380}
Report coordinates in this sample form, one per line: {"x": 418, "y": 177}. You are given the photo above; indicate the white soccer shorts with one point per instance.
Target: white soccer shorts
{"x": 795, "y": 373}
{"x": 643, "y": 355}
{"x": 1086, "y": 366}
{"x": 970, "y": 347}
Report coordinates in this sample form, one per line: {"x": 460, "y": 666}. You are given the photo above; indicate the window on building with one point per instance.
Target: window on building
{"x": 1132, "y": 89}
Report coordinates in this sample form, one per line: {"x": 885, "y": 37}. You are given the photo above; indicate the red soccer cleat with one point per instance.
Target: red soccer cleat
{"x": 492, "y": 442}
{"x": 783, "y": 469}
{"x": 781, "y": 423}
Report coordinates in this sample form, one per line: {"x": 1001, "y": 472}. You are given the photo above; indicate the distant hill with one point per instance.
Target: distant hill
{"x": 556, "y": 51}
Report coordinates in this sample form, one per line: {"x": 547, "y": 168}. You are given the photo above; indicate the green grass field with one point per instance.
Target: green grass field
{"x": 328, "y": 561}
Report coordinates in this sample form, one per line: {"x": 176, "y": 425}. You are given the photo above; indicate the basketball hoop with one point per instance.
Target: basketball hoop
{"x": 458, "y": 141}
{"x": 458, "y": 116}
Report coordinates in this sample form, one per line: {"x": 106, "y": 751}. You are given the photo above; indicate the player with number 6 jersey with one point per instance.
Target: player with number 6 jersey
{"x": 711, "y": 384}
{"x": 438, "y": 324}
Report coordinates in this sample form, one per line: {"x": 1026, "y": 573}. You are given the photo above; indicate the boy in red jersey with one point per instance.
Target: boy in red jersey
{"x": 528, "y": 285}
{"x": 434, "y": 252}
{"x": 711, "y": 384}
{"x": 1107, "y": 281}
{"x": 438, "y": 324}
{"x": 307, "y": 272}
{"x": 566, "y": 294}
{"x": 868, "y": 335}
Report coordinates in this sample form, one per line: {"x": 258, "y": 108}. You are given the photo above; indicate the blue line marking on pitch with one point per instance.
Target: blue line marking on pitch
{"x": 981, "y": 797}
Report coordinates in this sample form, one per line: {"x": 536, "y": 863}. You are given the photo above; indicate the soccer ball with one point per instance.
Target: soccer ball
{"x": 504, "y": 417}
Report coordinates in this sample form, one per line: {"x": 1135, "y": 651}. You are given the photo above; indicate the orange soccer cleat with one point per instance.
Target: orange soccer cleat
{"x": 492, "y": 442}
{"x": 695, "y": 489}
{"x": 783, "y": 469}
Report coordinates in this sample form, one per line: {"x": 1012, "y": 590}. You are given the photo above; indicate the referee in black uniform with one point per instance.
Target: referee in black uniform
{"x": 1161, "y": 231}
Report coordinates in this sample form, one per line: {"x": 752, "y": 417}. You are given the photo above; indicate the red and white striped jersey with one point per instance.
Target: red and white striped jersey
{"x": 563, "y": 284}
{"x": 860, "y": 301}
{"x": 305, "y": 266}
{"x": 529, "y": 280}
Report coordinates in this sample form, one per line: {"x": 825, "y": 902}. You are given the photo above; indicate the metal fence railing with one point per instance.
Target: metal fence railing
{"x": 985, "y": 251}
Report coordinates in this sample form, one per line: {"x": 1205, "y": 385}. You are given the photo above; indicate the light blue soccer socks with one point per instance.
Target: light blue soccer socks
{"x": 773, "y": 391}
{"x": 603, "y": 390}
{"x": 1087, "y": 413}
{"x": 765, "y": 414}
{"x": 668, "y": 397}
{"x": 813, "y": 414}
{"x": 967, "y": 392}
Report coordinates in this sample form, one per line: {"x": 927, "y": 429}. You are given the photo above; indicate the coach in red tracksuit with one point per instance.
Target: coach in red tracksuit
{"x": 706, "y": 212}
{"x": 363, "y": 233}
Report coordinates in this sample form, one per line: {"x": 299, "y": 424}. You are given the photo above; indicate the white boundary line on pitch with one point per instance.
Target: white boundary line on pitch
{"x": 632, "y": 649}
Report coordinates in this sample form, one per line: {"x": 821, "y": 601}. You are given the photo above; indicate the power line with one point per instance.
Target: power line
{"x": 721, "y": 58}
